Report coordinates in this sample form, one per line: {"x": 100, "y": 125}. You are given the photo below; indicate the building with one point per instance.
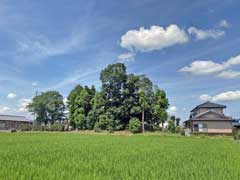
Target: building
{"x": 209, "y": 118}
{"x": 8, "y": 122}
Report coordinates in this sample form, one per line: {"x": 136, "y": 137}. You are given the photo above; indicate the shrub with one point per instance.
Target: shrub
{"x": 178, "y": 129}
{"x": 25, "y": 127}
{"x": 149, "y": 127}
{"x": 111, "y": 130}
{"x": 182, "y": 132}
{"x": 134, "y": 125}
{"x": 236, "y": 134}
{"x": 13, "y": 130}
{"x": 105, "y": 121}
{"x": 171, "y": 126}
{"x": 38, "y": 127}
{"x": 97, "y": 127}
{"x": 157, "y": 128}
{"x": 56, "y": 127}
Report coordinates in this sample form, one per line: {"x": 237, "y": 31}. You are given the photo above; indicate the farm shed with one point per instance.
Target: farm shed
{"x": 8, "y": 122}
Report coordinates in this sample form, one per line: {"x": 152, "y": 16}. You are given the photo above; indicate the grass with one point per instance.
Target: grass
{"x": 90, "y": 156}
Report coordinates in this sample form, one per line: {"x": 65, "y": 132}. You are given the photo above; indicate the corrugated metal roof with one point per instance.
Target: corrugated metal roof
{"x": 14, "y": 118}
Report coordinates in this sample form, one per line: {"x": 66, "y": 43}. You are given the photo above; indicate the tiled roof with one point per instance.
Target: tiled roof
{"x": 209, "y": 105}
{"x": 14, "y": 118}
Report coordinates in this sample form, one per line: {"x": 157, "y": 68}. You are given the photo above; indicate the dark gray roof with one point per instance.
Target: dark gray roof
{"x": 209, "y": 105}
{"x": 14, "y": 118}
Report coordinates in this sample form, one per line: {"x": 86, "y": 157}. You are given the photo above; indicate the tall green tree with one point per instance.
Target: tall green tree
{"x": 82, "y": 106}
{"x": 144, "y": 105}
{"x": 71, "y": 103}
{"x": 160, "y": 105}
{"x": 48, "y": 107}
{"x": 114, "y": 79}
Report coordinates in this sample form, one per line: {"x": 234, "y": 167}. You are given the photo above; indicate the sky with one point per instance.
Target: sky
{"x": 191, "y": 49}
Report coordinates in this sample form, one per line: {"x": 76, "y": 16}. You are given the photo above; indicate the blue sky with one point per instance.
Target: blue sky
{"x": 188, "y": 48}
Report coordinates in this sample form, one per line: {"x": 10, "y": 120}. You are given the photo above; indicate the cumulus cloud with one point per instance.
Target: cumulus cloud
{"x": 224, "y": 96}
{"x": 205, "y": 97}
{"x": 4, "y": 109}
{"x": 155, "y": 38}
{"x": 172, "y": 110}
{"x": 221, "y": 70}
{"x": 229, "y": 74}
{"x": 227, "y": 96}
{"x": 223, "y": 23}
{"x": 201, "y": 34}
{"x": 126, "y": 57}
{"x": 22, "y": 104}
{"x": 203, "y": 67}
{"x": 11, "y": 96}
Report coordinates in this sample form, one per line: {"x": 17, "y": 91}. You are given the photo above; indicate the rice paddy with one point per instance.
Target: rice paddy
{"x": 91, "y": 156}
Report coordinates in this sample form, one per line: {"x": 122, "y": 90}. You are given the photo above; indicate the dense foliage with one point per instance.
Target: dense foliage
{"x": 48, "y": 107}
{"x": 122, "y": 97}
{"x": 134, "y": 125}
{"x": 71, "y": 156}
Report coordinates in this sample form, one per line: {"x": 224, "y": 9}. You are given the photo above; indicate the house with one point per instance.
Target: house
{"x": 8, "y": 122}
{"x": 209, "y": 118}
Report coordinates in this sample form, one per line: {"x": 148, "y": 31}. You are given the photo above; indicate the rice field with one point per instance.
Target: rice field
{"x": 90, "y": 156}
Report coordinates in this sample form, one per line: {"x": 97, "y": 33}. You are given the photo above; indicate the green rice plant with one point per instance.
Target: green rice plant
{"x": 45, "y": 155}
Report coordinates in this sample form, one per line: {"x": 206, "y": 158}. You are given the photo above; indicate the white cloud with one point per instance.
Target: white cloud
{"x": 34, "y": 84}
{"x": 172, "y": 110}
{"x": 225, "y": 96}
{"x": 203, "y": 67}
{"x": 205, "y": 97}
{"x": 4, "y": 109}
{"x": 126, "y": 57}
{"x": 218, "y": 69}
{"x": 201, "y": 34}
{"x": 11, "y": 96}
{"x": 22, "y": 104}
{"x": 155, "y": 38}
{"x": 223, "y": 23}
{"x": 229, "y": 74}
{"x": 233, "y": 61}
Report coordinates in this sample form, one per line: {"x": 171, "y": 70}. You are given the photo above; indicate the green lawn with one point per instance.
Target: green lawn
{"x": 81, "y": 156}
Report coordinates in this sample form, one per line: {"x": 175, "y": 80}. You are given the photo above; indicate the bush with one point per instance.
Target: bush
{"x": 149, "y": 127}
{"x": 56, "y": 127}
{"x": 178, "y": 129}
{"x": 13, "y": 130}
{"x": 111, "y": 130}
{"x": 171, "y": 126}
{"x": 38, "y": 127}
{"x": 97, "y": 127}
{"x": 105, "y": 122}
{"x": 182, "y": 132}
{"x": 134, "y": 125}
{"x": 157, "y": 128}
{"x": 25, "y": 127}
{"x": 236, "y": 134}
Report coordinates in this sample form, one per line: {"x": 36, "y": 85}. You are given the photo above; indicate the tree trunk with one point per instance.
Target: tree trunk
{"x": 162, "y": 126}
{"x": 143, "y": 129}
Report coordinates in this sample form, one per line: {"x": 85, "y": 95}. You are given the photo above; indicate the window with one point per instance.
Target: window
{"x": 201, "y": 127}
{"x": 195, "y": 128}
{"x": 2, "y": 125}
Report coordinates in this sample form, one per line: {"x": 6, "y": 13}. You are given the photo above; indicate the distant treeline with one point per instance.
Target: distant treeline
{"x": 123, "y": 101}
